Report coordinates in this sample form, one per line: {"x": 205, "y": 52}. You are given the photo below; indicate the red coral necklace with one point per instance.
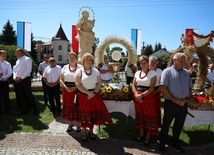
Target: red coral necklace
{"x": 144, "y": 75}
{"x": 89, "y": 72}
{"x": 71, "y": 69}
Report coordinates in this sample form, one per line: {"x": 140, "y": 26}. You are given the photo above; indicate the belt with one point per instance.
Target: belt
{"x": 106, "y": 80}
{"x": 85, "y": 93}
{"x": 142, "y": 88}
{"x": 69, "y": 84}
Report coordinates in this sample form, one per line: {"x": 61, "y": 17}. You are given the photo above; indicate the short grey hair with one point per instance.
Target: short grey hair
{"x": 178, "y": 55}
{"x": 153, "y": 58}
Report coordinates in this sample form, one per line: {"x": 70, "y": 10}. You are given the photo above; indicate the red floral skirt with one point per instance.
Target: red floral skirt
{"x": 69, "y": 109}
{"x": 93, "y": 111}
{"x": 146, "y": 114}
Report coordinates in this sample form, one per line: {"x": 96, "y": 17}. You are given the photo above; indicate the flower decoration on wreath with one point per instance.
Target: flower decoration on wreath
{"x": 109, "y": 93}
{"x": 125, "y": 89}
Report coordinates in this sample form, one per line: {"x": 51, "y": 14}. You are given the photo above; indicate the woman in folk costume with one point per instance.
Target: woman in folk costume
{"x": 143, "y": 88}
{"x": 70, "y": 110}
{"x": 92, "y": 109}
{"x": 153, "y": 66}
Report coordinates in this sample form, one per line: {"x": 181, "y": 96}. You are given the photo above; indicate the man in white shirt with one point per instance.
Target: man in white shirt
{"x": 21, "y": 77}
{"x": 5, "y": 74}
{"x": 41, "y": 69}
{"x": 51, "y": 77}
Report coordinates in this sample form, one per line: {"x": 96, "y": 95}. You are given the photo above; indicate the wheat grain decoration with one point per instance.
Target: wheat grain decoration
{"x": 100, "y": 50}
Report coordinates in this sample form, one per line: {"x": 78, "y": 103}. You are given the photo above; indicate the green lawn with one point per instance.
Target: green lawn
{"x": 124, "y": 127}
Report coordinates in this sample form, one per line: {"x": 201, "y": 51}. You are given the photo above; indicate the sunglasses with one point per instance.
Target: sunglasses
{"x": 52, "y": 61}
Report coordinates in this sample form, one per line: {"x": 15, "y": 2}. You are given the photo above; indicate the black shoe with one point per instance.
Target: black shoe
{"x": 69, "y": 130}
{"x": 78, "y": 130}
{"x": 146, "y": 142}
{"x": 92, "y": 136}
{"x": 178, "y": 148}
{"x": 84, "y": 139}
{"x": 140, "y": 138}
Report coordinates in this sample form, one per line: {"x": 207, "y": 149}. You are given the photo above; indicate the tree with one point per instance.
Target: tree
{"x": 157, "y": 47}
{"x": 148, "y": 50}
{"x": 143, "y": 48}
{"x": 33, "y": 52}
{"x": 163, "y": 61}
{"x": 8, "y": 36}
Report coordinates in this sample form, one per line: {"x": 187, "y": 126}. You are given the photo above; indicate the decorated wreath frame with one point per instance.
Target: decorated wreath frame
{"x": 100, "y": 50}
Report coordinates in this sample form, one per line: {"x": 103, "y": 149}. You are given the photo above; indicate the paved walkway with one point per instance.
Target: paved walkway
{"x": 55, "y": 141}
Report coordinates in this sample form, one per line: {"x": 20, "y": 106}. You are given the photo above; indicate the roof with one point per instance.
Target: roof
{"x": 161, "y": 51}
{"x": 60, "y": 34}
{"x": 47, "y": 43}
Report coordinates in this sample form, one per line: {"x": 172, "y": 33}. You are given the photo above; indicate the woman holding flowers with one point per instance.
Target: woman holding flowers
{"x": 145, "y": 108}
{"x": 70, "y": 110}
{"x": 92, "y": 110}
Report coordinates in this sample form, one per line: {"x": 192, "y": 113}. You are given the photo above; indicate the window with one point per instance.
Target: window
{"x": 60, "y": 58}
{"x": 60, "y": 47}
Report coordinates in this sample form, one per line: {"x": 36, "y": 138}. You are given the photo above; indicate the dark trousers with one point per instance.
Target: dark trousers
{"x": 25, "y": 96}
{"x": 44, "y": 86}
{"x": 129, "y": 80}
{"x": 18, "y": 103}
{"x": 4, "y": 96}
{"x": 178, "y": 113}
{"x": 54, "y": 98}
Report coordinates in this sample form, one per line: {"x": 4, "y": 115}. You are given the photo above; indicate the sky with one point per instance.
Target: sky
{"x": 161, "y": 21}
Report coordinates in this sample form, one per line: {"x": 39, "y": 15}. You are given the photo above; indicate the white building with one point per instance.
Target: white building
{"x": 59, "y": 47}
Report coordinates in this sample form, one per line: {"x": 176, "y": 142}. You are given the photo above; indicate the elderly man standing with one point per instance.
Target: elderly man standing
{"x": 176, "y": 85}
{"x": 5, "y": 74}
{"x": 41, "y": 70}
{"x": 21, "y": 77}
{"x": 51, "y": 77}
